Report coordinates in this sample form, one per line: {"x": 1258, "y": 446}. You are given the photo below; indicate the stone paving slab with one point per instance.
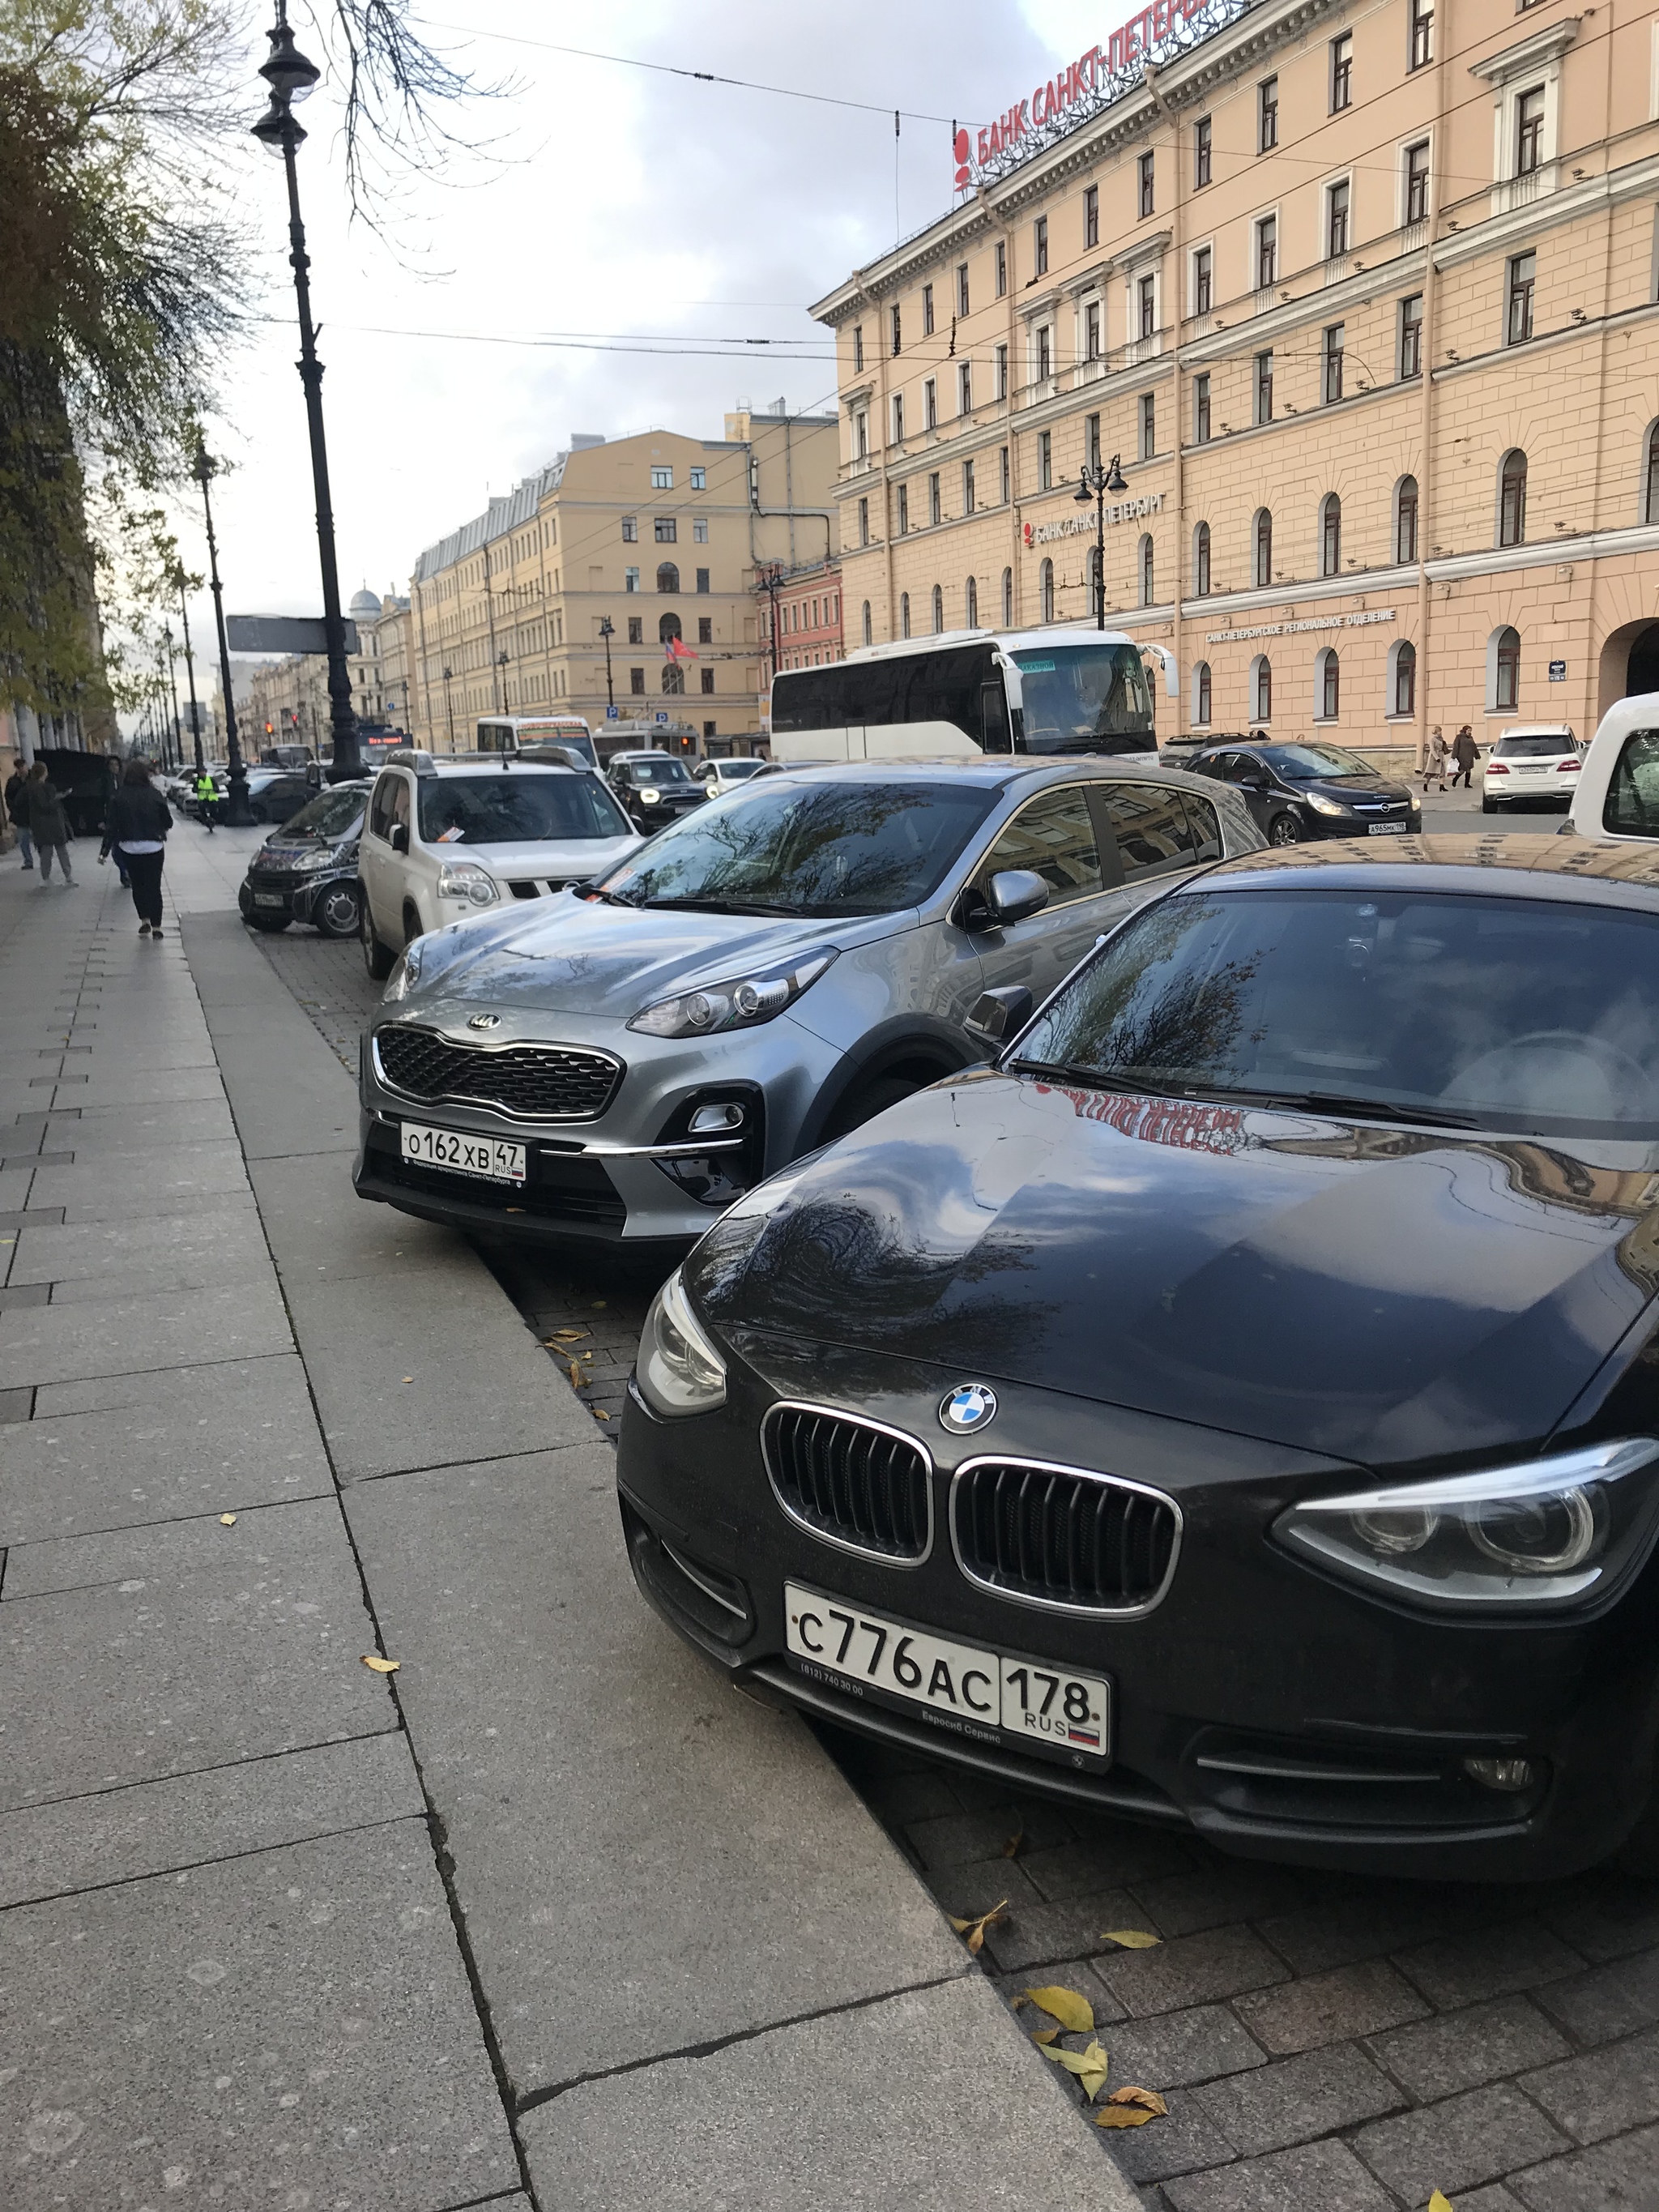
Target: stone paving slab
{"x": 100, "y": 1259}
{"x": 146, "y": 1184}
{"x": 291, "y": 2028}
{"x": 321, "y": 1231}
{"x": 786, "y": 2119}
{"x": 179, "y": 1125}
{"x": 128, "y": 1335}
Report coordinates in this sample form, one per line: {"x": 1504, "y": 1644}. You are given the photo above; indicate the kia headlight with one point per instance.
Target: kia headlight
{"x": 1548, "y": 1532}
{"x": 679, "y": 1371}
{"x": 465, "y": 879}
{"x": 743, "y": 1004}
{"x": 1320, "y": 805}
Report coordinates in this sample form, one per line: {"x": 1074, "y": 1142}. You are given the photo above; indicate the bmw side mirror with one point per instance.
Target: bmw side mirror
{"x": 996, "y": 1016}
{"x": 400, "y": 837}
{"x": 1014, "y": 894}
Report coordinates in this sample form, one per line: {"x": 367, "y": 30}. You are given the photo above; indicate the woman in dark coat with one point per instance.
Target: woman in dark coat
{"x": 48, "y": 823}
{"x": 135, "y": 824}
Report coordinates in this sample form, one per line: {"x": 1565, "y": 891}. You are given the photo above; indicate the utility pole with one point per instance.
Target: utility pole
{"x": 607, "y": 632}
{"x": 237, "y": 810}
{"x": 173, "y": 687}
{"x": 189, "y": 674}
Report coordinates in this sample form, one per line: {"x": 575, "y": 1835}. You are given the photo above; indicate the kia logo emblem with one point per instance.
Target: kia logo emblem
{"x": 485, "y": 1022}
{"x": 968, "y": 1406}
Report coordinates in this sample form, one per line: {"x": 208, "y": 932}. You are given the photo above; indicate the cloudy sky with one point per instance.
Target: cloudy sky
{"x": 652, "y": 224}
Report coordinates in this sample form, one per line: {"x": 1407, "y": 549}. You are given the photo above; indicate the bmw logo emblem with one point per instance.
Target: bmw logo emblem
{"x": 968, "y": 1406}
{"x": 485, "y": 1022}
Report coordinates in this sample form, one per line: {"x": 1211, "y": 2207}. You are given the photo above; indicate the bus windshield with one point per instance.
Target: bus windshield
{"x": 1086, "y": 699}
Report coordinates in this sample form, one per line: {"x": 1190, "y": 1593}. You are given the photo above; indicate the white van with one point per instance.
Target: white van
{"x": 1618, "y": 793}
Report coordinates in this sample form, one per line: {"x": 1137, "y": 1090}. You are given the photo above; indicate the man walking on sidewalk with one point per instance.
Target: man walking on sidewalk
{"x": 136, "y": 826}
{"x": 1465, "y": 753}
{"x": 17, "y": 806}
{"x": 48, "y": 823}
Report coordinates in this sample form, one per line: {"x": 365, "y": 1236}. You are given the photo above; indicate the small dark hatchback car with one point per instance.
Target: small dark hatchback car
{"x": 306, "y": 871}
{"x": 1310, "y": 789}
{"x": 1238, "y": 1405}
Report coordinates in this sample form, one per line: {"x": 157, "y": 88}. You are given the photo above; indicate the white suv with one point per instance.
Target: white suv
{"x": 1536, "y": 760}
{"x": 448, "y": 838}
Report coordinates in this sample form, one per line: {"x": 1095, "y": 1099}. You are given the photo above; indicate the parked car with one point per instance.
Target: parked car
{"x": 275, "y": 794}
{"x": 717, "y": 777}
{"x": 654, "y": 788}
{"x": 1617, "y": 793}
{"x": 1311, "y": 789}
{"x": 1533, "y": 760}
{"x": 306, "y": 871}
{"x": 1238, "y": 1407}
{"x": 773, "y": 970}
{"x": 528, "y": 828}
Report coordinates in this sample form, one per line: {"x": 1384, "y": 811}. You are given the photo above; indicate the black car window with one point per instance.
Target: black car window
{"x": 379, "y": 812}
{"x": 1241, "y": 768}
{"x": 1537, "y": 744}
{"x": 399, "y": 809}
{"x": 508, "y": 807}
{"x": 1055, "y": 836}
{"x": 824, "y": 848}
{"x": 332, "y": 814}
{"x": 1312, "y": 763}
{"x": 1632, "y": 808}
{"x": 660, "y": 770}
{"x": 1153, "y": 834}
{"x": 1503, "y": 1014}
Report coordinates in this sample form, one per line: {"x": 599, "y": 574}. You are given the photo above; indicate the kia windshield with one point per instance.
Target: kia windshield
{"x": 788, "y": 847}
{"x": 508, "y": 806}
{"x": 1539, "y": 1017}
{"x": 1086, "y": 699}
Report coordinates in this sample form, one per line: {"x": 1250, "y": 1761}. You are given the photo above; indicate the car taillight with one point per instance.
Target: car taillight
{"x": 1496, "y": 768}
{"x": 1568, "y": 768}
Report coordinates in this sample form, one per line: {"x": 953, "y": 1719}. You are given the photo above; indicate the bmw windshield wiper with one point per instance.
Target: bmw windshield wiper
{"x": 1369, "y": 1109}
{"x": 718, "y": 905}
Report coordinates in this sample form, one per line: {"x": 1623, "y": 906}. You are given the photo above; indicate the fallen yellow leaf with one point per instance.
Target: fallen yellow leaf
{"x": 575, "y": 1375}
{"x": 1044, "y": 2034}
{"x": 568, "y": 1335}
{"x": 1438, "y": 2203}
{"x": 1011, "y": 1849}
{"x": 599, "y": 1414}
{"x": 1122, "y": 2116}
{"x": 381, "y": 1666}
{"x": 1089, "y": 2066}
{"x": 227, "y": 1520}
{"x": 409, "y": 1378}
{"x": 1130, "y": 1939}
{"x": 1070, "y": 2010}
{"x": 974, "y": 1930}
{"x": 1153, "y": 2103}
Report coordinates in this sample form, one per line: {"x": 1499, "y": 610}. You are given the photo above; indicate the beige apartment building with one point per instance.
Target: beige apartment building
{"x": 565, "y": 595}
{"x": 1362, "y": 294}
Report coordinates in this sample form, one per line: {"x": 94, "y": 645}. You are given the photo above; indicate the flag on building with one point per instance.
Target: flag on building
{"x": 677, "y": 649}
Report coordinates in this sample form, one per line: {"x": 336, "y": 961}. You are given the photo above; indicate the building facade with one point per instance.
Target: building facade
{"x": 567, "y": 595}
{"x": 800, "y": 624}
{"x": 1361, "y": 296}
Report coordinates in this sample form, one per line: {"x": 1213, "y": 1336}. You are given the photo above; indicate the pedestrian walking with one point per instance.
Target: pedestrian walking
{"x": 1465, "y": 753}
{"x": 17, "y": 806}
{"x": 112, "y": 785}
{"x": 48, "y": 823}
{"x": 1434, "y": 763}
{"x": 135, "y": 829}
{"x": 207, "y": 798}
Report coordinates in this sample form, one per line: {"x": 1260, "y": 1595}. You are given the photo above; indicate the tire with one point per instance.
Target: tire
{"x": 377, "y": 958}
{"x": 869, "y": 1099}
{"x": 271, "y": 924}
{"x": 1284, "y": 830}
{"x": 337, "y": 912}
{"x": 1488, "y": 805}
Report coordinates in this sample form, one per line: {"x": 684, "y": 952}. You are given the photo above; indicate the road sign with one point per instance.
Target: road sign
{"x": 659, "y": 717}
{"x": 282, "y": 634}
{"x": 1557, "y": 671}
{"x": 613, "y": 713}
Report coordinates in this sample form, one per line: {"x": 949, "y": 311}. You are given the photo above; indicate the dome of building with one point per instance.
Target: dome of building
{"x": 364, "y": 607}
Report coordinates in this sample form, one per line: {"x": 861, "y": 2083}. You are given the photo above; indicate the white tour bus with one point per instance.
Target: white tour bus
{"x": 1066, "y": 689}
{"x": 513, "y": 733}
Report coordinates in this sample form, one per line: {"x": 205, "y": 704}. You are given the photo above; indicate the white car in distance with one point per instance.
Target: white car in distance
{"x": 1537, "y": 760}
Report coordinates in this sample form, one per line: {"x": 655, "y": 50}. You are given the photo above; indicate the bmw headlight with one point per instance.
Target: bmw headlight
{"x": 1547, "y": 1532}
{"x": 741, "y": 1004}
{"x": 679, "y": 1371}
{"x": 1320, "y": 805}
{"x": 465, "y": 879}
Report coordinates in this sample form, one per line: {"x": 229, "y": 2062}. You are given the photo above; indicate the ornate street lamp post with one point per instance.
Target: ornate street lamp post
{"x": 607, "y": 632}
{"x": 1093, "y": 484}
{"x": 237, "y": 810}
{"x": 449, "y": 708}
{"x": 190, "y": 673}
{"x": 291, "y": 76}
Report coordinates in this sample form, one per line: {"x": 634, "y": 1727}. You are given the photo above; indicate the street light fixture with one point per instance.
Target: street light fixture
{"x": 607, "y": 632}
{"x": 190, "y": 673}
{"x": 1093, "y": 484}
{"x": 238, "y": 812}
{"x": 501, "y": 663}
{"x": 291, "y": 76}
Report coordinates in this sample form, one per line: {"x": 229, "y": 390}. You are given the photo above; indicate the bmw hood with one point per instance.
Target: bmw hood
{"x": 1384, "y": 1294}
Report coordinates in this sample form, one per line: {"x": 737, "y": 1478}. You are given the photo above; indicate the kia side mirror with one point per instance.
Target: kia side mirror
{"x": 996, "y": 1016}
{"x": 400, "y": 837}
{"x": 1015, "y": 893}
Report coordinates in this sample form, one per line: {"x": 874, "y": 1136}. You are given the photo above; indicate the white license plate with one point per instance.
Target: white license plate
{"x": 1388, "y": 828}
{"x": 462, "y": 1155}
{"x": 978, "y": 1690}
{"x": 269, "y": 898}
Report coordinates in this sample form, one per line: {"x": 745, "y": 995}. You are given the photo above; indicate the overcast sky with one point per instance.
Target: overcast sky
{"x": 635, "y": 208}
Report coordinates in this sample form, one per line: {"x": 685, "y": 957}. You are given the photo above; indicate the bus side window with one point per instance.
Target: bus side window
{"x": 994, "y": 736}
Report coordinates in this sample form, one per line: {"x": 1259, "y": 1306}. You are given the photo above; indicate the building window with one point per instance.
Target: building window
{"x": 1007, "y": 598}
{"x": 927, "y": 311}
{"x": 1263, "y": 548}
{"x": 1512, "y": 500}
{"x": 703, "y": 580}
{"x": 1264, "y": 387}
{"x": 1529, "y": 131}
{"x": 893, "y": 323}
{"x": 662, "y": 479}
{"x": 1091, "y": 440}
{"x": 636, "y": 682}
{"x": 904, "y": 613}
{"x": 1331, "y": 359}
{"x": 1091, "y": 330}
{"x": 898, "y": 418}
{"x": 1261, "y": 689}
{"x": 904, "y": 510}
{"x": 1266, "y": 252}
{"x": 668, "y": 626}
{"x": 1148, "y": 425}
{"x": 1045, "y": 354}
{"x": 1145, "y": 174}
{"x": 1040, "y": 246}
{"x": 668, "y": 577}
{"x": 1330, "y": 535}
{"x": 1342, "y": 72}
{"x": 1506, "y": 671}
{"x": 858, "y": 352}
{"x": 965, "y": 389}
{"x": 861, "y": 435}
{"x": 1045, "y": 460}
{"x": 1203, "y": 280}
{"x": 674, "y": 680}
{"x": 708, "y": 679}
{"x": 1405, "y": 519}
{"x": 705, "y": 630}
{"x": 1203, "y": 154}
{"x": 970, "y": 603}
{"x": 1337, "y": 202}
{"x": 1267, "y": 136}
{"x": 631, "y": 523}
{"x": 1202, "y": 409}
{"x": 1422, "y": 44}
{"x": 930, "y": 403}
{"x": 1002, "y": 371}
{"x": 1202, "y": 707}
{"x": 1046, "y": 590}
{"x": 665, "y": 529}
{"x": 1003, "y": 475}
{"x": 935, "y": 514}
{"x": 636, "y": 630}
{"x": 1201, "y": 561}
{"x": 1402, "y": 695}
{"x": 1523, "y": 274}
{"x": 700, "y": 529}
{"x": 1147, "y": 594}
{"x": 1147, "y": 300}
{"x": 968, "y": 499}
{"x": 1651, "y": 477}
{"x": 1410, "y": 336}
{"x": 631, "y": 579}
{"x": 1417, "y": 182}
{"x": 1329, "y": 688}
{"x": 961, "y": 287}
{"x": 700, "y": 477}
{"x": 1091, "y": 215}
{"x": 1002, "y": 269}
{"x": 866, "y": 628}
{"x": 938, "y": 610}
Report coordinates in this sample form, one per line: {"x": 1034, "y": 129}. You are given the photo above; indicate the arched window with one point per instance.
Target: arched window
{"x": 1402, "y": 678}
{"x": 1504, "y": 671}
{"x": 869, "y": 634}
{"x": 971, "y": 602}
{"x": 938, "y": 610}
{"x": 1146, "y": 578}
{"x": 1046, "y": 585}
{"x": 674, "y": 677}
{"x": 1330, "y": 535}
{"x": 904, "y": 613}
{"x": 1512, "y": 500}
{"x": 1201, "y": 689}
{"x": 1650, "y": 476}
{"x": 1201, "y": 561}
{"x": 1405, "y": 519}
{"x": 1328, "y": 686}
{"x": 1261, "y": 562}
{"x": 668, "y": 627}
{"x": 668, "y": 577}
{"x": 1261, "y": 689}
{"x": 1007, "y": 598}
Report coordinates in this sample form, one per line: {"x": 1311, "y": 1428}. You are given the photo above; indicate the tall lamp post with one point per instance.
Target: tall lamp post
{"x": 190, "y": 673}
{"x": 1093, "y": 484}
{"x": 449, "y": 707}
{"x": 172, "y": 689}
{"x": 237, "y": 810}
{"x": 291, "y": 76}
{"x": 501, "y": 663}
{"x": 607, "y": 631}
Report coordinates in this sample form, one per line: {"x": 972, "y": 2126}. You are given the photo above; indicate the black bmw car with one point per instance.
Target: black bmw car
{"x": 306, "y": 871}
{"x": 1238, "y": 1406}
{"x": 1310, "y": 789}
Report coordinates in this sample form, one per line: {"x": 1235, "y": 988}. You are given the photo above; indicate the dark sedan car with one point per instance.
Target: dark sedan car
{"x": 1310, "y": 789}
{"x": 306, "y": 871}
{"x": 1236, "y": 1407}
{"x": 656, "y": 788}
